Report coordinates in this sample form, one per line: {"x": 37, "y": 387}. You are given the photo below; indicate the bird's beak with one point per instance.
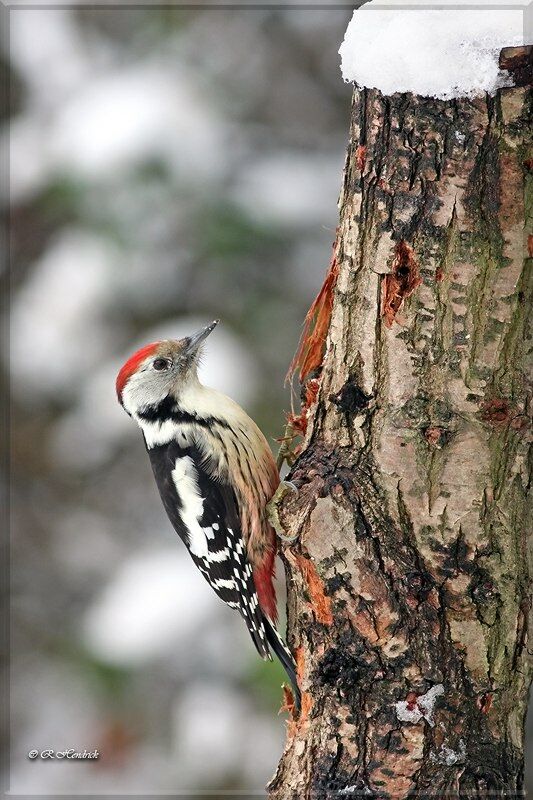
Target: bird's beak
{"x": 193, "y": 342}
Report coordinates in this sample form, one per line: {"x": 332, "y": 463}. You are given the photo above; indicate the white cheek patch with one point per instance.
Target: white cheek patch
{"x": 185, "y": 480}
{"x": 143, "y": 390}
{"x": 127, "y": 398}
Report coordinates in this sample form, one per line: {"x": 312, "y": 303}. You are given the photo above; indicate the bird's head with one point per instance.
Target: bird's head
{"x": 159, "y": 369}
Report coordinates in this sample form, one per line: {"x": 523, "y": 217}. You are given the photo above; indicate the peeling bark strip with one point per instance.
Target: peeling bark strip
{"x": 408, "y": 579}
{"x": 311, "y": 347}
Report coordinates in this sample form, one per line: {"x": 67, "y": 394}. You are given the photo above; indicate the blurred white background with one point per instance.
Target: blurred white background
{"x": 167, "y": 167}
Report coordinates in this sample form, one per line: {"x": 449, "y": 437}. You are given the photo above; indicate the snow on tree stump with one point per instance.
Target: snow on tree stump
{"x": 408, "y": 577}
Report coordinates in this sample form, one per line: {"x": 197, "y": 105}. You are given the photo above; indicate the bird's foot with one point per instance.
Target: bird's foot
{"x": 284, "y": 488}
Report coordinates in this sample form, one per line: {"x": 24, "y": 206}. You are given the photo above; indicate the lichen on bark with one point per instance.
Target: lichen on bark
{"x": 408, "y": 577}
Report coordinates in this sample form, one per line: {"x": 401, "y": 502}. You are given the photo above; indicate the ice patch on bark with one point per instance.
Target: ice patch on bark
{"x": 421, "y": 708}
{"x": 449, "y": 757}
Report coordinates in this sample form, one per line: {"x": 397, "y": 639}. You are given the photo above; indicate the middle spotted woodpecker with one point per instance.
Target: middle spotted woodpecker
{"x": 215, "y": 473}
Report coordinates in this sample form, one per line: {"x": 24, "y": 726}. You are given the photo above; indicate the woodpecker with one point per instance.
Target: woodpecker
{"x": 215, "y": 473}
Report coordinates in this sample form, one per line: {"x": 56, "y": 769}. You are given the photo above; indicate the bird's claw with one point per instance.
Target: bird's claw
{"x": 284, "y": 488}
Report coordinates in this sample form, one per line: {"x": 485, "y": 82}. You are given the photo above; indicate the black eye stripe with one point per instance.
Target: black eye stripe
{"x": 161, "y": 364}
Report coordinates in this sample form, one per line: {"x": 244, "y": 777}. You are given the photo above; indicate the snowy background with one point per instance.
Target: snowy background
{"x": 167, "y": 167}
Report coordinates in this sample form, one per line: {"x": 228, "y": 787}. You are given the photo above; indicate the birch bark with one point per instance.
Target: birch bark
{"x": 408, "y": 578}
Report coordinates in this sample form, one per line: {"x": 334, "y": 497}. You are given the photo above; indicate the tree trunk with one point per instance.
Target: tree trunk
{"x": 408, "y": 577}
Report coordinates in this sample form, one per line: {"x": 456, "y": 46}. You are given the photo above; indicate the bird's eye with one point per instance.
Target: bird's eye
{"x": 161, "y": 363}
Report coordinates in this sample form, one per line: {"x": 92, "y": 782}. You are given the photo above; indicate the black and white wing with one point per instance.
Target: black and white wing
{"x": 203, "y": 510}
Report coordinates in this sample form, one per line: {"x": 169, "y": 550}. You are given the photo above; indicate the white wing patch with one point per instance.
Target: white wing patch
{"x": 185, "y": 480}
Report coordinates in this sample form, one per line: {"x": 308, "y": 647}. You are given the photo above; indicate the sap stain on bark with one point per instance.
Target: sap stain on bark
{"x": 436, "y": 436}
{"x": 319, "y": 600}
{"x": 400, "y": 282}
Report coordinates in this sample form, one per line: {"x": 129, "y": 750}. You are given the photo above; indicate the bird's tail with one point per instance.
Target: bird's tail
{"x": 285, "y": 656}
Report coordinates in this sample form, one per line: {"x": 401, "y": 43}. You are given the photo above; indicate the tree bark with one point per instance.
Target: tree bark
{"x": 408, "y": 589}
